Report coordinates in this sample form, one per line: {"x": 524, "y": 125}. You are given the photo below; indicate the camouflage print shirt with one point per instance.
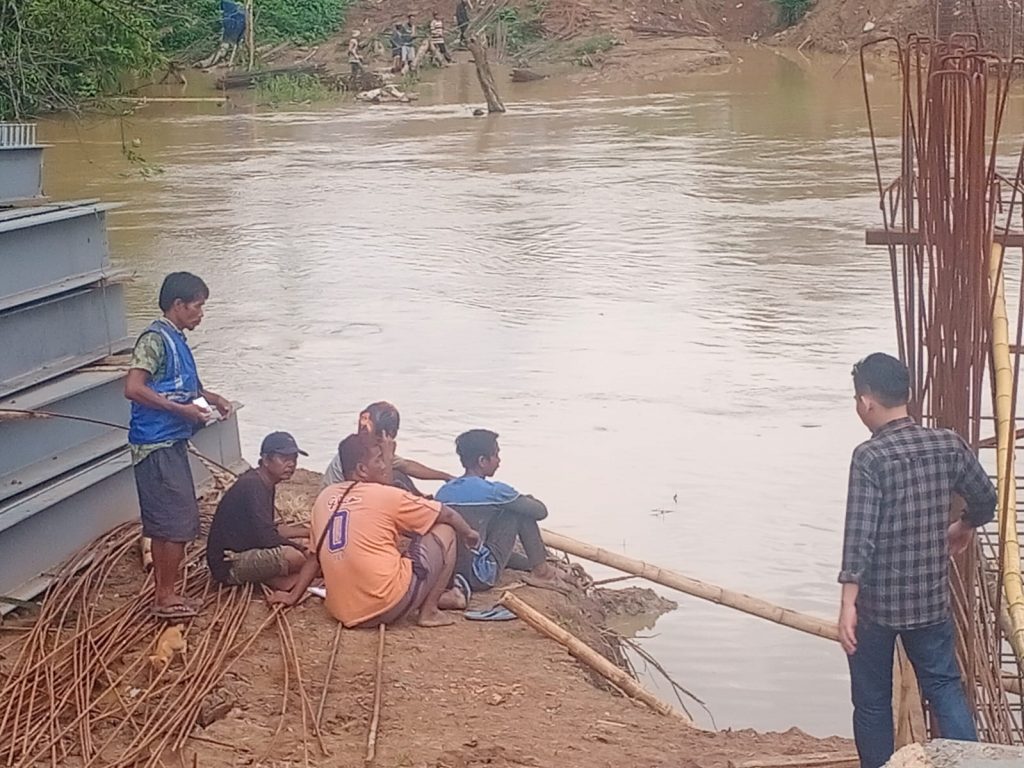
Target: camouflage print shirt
{"x": 149, "y": 355}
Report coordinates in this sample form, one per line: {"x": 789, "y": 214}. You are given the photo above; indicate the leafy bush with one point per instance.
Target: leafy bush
{"x": 291, "y": 89}
{"x": 57, "y": 53}
{"x": 595, "y": 45}
{"x": 792, "y": 11}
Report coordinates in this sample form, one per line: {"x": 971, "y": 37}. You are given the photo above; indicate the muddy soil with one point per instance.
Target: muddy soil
{"x": 474, "y": 694}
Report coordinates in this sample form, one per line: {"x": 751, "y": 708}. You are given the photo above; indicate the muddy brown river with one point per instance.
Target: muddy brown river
{"x": 654, "y": 293}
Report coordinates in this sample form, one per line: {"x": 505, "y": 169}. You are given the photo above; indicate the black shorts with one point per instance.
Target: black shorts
{"x": 167, "y": 495}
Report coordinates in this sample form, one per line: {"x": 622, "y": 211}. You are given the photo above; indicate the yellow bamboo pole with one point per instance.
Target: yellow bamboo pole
{"x": 741, "y": 602}
{"x": 1006, "y": 475}
{"x": 589, "y": 656}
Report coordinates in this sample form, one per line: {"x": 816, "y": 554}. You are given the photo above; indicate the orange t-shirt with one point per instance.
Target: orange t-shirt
{"x": 364, "y": 572}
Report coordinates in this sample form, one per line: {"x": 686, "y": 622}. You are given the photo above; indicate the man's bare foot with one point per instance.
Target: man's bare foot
{"x": 452, "y": 600}
{"x": 434, "y": 618}
{"x": 555, "y": 584}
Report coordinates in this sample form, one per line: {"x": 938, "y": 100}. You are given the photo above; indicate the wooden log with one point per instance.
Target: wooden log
{"x": 741, "y": 602}
{"x": 378, "y": 685}
{"x": 245, "y": 79}
{"x": 811, "y": 760}
{"x": 584, "y": 653}
{"x": 483, "y": 74}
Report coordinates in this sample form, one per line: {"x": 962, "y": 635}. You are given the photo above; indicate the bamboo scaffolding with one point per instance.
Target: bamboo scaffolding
{"x": 711, "y": 592}
{"x": 1005, "y": 449}
{"x": 584, "y": 653}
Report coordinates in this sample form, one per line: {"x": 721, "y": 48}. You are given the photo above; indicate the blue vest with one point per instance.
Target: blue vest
{"x": 180, "y": 383}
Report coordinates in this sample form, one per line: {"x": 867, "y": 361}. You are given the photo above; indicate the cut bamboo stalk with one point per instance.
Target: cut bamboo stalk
{"x": 378, "y": 685}
{"x": 327, "y": 675}
{"x": 753, "y": 605}
{"x": 1005, "y": 472}
{"x": 589, "y": 656}
{"x": 817, "y": 760}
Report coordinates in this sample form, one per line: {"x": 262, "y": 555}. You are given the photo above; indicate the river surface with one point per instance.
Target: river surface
{"x": 654, "y": 293}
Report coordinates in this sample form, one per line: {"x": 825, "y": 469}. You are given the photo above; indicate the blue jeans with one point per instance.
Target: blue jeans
{"x": 931, "y": 651}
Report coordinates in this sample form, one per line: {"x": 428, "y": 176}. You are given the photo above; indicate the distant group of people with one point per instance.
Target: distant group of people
{"x": 403, "y": 41}
{"x": 387, "y": 552}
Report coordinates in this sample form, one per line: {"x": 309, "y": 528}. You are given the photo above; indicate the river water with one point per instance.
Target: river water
{"x": 654, "y": 293}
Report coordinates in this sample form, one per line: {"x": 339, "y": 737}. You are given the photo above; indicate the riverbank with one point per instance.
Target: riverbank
{"x": 474, "y": 694}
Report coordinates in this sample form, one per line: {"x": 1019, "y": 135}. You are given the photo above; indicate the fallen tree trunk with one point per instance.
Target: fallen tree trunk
{"x": 246, "y": 79}
{"x": 589, "y": 656}
{"x": 483, "y": 74}
{"x": 741, "y": 602}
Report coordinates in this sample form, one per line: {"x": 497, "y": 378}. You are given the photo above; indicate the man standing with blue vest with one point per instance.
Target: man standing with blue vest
{"x": 163, "y": 385}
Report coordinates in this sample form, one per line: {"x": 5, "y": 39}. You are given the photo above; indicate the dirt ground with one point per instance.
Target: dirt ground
{"x": 474, "y": 694}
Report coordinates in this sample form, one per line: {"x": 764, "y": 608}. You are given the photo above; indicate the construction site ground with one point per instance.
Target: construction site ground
{"x": 473, "y": 694}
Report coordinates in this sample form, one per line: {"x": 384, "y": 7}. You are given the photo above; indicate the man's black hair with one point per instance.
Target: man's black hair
{"x": 883, "y": 377}
{"x": 184, "y": 286}
{"x": 474, "y": 445}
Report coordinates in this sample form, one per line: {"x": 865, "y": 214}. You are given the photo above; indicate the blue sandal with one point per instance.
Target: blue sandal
{"x": 494, "y": 613}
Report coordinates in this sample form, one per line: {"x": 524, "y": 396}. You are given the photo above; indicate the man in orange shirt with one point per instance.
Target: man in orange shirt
{"x": 355, "y": 527}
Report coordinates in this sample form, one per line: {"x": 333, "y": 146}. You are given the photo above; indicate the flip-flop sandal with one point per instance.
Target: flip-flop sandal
{"x": 460, "y": 583}
{"x": 494, "y": 613}
{"x": 173, "y": 612}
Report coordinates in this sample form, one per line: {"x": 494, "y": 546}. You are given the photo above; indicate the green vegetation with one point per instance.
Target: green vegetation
{"x": 593, "y": 46}
{"x": 520, "y": 27}
{"x": 54, "y": 54}
{"x": 792, "y": 11}
{"x": 291, "y": 89}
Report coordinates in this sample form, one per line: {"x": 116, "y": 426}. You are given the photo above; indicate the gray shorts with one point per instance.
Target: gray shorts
{"x": 427, "y": 555}
{"x": 167, "y": 495}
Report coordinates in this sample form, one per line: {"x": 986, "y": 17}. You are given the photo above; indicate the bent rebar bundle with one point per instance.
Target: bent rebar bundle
{"x": 947, "y": 225}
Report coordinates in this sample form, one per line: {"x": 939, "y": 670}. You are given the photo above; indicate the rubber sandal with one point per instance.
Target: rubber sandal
{"x": 460, "y": 583}
{"x": 494, "y": 613}
{"x": 174, "y": 612}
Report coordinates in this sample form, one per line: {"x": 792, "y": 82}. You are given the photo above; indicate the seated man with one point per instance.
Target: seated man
{"x": 381, "y": 421}
{"x": 500, "y": 514}
{"x": 245, "y": 545}
{"x": 356, "y": 525}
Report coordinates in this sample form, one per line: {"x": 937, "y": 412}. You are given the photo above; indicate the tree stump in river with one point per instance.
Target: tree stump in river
{"x": 483, "y": 73}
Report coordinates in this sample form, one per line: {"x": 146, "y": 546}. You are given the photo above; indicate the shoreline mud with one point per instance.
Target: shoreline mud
{"x": 475, "y": 694}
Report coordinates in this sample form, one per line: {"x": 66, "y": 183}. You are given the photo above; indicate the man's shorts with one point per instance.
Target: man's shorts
{"x": 427, "y": 555}
{"x": 256, "y": 566}
{"x": 167, "y": 496}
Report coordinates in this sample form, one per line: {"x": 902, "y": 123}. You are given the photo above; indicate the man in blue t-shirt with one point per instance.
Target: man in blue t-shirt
{"x": 500, "y": 514}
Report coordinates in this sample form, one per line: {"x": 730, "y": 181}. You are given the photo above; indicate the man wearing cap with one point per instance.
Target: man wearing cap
{"x": 245, "y": 544}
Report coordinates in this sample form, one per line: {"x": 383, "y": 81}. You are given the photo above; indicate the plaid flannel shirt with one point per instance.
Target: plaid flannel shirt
{"x": 902, "y": 483}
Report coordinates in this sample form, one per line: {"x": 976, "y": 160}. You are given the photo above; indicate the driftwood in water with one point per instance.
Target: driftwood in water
{"x": 483, "y": 73}
{"x": 589, "y": 656}
{"x": 247, "y": 79}
{"x": 525, "y": 76}
{"x": 752, "y": 605}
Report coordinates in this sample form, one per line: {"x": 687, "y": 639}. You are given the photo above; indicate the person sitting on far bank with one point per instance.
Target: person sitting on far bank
{"x": 164, "y": 388}
{"x": 355, "y": 528}
{"x": 246, "y": 545}
{"x": 500, "y": 514}
{"x": 381, "y": 421}
{"x": 896, "y": 549}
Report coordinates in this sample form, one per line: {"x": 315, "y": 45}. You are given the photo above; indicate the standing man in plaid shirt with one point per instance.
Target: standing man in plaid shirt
{"x": 896, "y": 548}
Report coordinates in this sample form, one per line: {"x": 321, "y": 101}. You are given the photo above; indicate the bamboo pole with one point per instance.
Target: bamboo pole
{"x": 250, "y": 34}
{"x": 589, "y": 656}
{"x": 327, "y": 675}
{"x": 1005, "y": 471}
{"x": 755, "y": 606}
{"x": 378, "y": 685}
{"x": 817, "y": 760}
